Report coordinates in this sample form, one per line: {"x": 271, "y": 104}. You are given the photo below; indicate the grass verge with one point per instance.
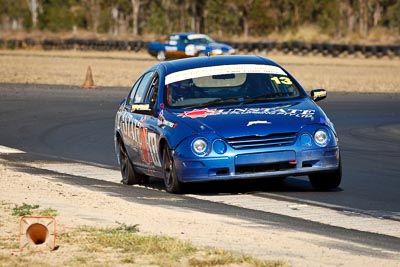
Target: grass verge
{"x": 118, "y": 246}
{"x": 121, "y": 69}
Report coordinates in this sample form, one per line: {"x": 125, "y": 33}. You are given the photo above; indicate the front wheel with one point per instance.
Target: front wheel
{"x": 326, "y": 181}
{"x": 128, "y": 173}
{"x": 172, "y": 185}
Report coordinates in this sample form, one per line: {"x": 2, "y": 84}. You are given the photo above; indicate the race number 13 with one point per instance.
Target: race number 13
{"x": 281, "y": 80}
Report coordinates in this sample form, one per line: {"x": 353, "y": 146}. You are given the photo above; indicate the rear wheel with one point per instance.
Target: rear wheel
{"x": 327, "y": 181}
{"x": 128, "y": 173}
{"x": 172, "y": 185}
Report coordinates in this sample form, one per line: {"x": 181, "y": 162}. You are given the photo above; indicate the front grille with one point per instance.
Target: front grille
{"x": 272, "y": 140}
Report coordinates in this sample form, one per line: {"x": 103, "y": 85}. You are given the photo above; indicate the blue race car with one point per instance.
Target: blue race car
{"x": 223, "y": 118}
{"x": 182, "y": 45}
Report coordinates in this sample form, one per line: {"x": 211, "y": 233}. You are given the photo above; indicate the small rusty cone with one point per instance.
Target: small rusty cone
{"x": 88, "y": 83}
{"x": 37, "y": 233}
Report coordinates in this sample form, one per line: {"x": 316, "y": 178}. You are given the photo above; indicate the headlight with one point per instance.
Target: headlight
{"x": 321, "y": 138}
{"x": 217, "y": 52}
{"x": 200, "y": 146}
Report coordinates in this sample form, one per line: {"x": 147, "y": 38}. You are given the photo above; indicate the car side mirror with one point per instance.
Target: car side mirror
{"x": 123, "y": 101}
{"x": 143, "y": 109}
{"x": 318, "y": 94}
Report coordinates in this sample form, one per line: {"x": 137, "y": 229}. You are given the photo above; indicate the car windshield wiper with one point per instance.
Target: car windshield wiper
{"x": 218, "y": 101}
{"x": 263, "y": 97}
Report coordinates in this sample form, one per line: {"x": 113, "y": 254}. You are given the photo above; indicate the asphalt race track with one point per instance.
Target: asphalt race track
{"x": 70, "y": 123}
{"x": 77, "y": 124}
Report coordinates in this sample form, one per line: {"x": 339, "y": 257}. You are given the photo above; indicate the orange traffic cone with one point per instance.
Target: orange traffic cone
{"x": 88, "y": 83}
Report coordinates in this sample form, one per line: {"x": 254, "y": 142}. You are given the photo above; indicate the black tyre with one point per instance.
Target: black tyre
{"x": 326, "y": 181}
{"x": 172, "y": 185}
{"x": 128, "y": 173}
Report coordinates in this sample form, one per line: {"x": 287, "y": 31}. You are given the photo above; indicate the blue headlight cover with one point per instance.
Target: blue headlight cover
{"x": 219, "y": 147}
{"x": 306, "y": 140}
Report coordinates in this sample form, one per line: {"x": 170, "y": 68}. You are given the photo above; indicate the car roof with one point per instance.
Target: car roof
{"x": 199, "y": 62}
{"x": 186, "y": 34}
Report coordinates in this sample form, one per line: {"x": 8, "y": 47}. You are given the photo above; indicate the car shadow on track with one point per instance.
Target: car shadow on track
{"x": 276, "y": 185}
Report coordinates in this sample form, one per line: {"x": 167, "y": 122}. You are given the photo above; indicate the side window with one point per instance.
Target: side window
{"x": 133, "y": 91}
{"x": 152, "y": 93}
{"x": 182, "y": 41}
{"x": 141, "y": 89}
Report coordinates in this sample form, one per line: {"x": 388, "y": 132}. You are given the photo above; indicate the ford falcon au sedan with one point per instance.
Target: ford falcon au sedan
{"x": 183, "y": 45}
{"x": 222, "y": 118}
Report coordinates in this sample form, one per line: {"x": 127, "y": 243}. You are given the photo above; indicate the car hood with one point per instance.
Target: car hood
{"x": 221, "y": 46}
{"x": 253, "y": 120}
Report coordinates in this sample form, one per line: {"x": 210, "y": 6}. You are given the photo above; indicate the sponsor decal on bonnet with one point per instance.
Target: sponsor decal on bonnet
{"x": 198, "y": 113}
{"x": 202, "y": 113}
{"x": 250, "y": 123}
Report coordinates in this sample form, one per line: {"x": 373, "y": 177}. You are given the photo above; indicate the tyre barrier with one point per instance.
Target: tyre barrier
{"x": 295, "y": 47}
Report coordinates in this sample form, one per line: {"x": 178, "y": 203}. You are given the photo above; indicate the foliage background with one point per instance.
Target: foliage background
{"x": 345, "y": 21}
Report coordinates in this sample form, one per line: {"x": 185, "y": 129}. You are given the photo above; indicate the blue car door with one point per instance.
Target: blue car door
{"x": 144, "y": 111}
{"x": 151, "y": 125}
{"x": 131, "y": 122}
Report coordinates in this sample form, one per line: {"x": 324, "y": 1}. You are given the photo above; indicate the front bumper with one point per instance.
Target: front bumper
{"x": 258, "y": 165}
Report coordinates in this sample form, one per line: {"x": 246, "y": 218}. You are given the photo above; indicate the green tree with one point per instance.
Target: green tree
{"x": 393, "y": 15}
{"x": 221, "y": 18}
{"x": 242, "y": 9}
{"x": 227, "y": 18}
{"x": 157, "y": 19}
{"x": 260, "y": 19}
{"x": 196, "y": 10}
{"x": 281, "y": 15}
{"x": 327, "y": 16}
{"x": 55, "y": 16}
{"x": 33, "y": 8}
{"x": 15, "y": 15}
{"x": 114, "y": 16}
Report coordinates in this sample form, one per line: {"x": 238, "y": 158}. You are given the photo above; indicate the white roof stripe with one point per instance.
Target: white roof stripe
{"x": 223, "y": 69}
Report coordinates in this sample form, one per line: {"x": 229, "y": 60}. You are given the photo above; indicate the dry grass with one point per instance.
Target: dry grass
{"x": 120, "y": 246}
{"x": 69, "y": 67}
{"x": 344, "y": 74}
{"x": 122, "y": 68}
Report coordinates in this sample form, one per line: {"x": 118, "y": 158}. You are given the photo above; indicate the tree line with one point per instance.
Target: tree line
{"x": 223, "y": 18}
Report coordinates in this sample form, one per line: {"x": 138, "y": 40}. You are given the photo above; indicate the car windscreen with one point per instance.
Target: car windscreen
{"x": 229, "y": 85}
{"x": 201, "y": 41}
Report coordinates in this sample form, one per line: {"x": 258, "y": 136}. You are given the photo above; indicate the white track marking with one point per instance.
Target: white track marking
{"x": 315, "y": 213}
{"x": 344, "y": 219}
{"x": 10, "y": 150}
